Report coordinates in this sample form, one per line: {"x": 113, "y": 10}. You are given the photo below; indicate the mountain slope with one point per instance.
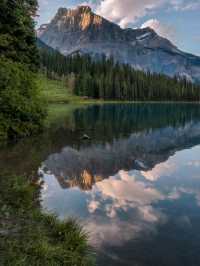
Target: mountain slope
{"x": 42, "y": 45}
{"x": 81, "y": 30}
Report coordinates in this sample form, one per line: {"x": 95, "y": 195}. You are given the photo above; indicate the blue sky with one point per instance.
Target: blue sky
{"x": 178, "y": 20}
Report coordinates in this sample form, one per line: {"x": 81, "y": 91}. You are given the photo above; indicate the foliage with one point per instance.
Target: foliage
{"x": 17, "y": 34}
{"x": 21, "y": 111}
{"x": 106, "y": 79}
{"x": 28, "y": 237}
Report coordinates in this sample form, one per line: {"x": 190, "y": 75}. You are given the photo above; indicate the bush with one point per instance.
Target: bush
{"x": 21, "y": 109}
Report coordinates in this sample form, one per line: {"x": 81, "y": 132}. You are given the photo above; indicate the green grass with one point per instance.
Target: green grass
{"x": 59, "y": 100}
{"x": 31, "y": 238}
{"x": 55, "y": 91}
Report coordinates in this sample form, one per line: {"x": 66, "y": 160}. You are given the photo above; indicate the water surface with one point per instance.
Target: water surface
{"x": 135, "y": 184}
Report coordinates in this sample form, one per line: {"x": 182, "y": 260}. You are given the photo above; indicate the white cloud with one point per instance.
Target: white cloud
{"x": 93, "y": 206}
{"x": 115, "y": 195}
{"x": 164, "y": 30}
{"x": 123, "y": 12}
{"x": 125, "y": 191}
{"x": 185, "y": 5}
{"x": 163, "y": 169}
{"x": 127, "y": 11}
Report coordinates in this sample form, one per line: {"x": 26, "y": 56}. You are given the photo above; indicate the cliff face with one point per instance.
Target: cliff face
{"x": 80, "y": 30}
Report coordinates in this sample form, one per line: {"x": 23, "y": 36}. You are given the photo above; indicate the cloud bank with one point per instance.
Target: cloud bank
{"x": 126, "y": 11}
{"x": 129, "y": 11}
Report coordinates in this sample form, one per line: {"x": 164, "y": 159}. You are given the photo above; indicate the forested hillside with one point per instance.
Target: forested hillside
{"x": 105, "y": 79}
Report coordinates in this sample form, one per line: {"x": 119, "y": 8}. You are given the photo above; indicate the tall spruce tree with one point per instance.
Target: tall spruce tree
{"x": 17, "y": 34}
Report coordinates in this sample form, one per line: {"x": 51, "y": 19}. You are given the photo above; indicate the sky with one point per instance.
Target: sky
{"x": 177, "y": 20}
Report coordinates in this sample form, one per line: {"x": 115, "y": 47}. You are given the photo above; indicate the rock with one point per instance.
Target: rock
{"x": 85, "y": 137}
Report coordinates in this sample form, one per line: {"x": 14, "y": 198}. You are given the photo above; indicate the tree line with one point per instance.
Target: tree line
{"x": 106, "y": 79}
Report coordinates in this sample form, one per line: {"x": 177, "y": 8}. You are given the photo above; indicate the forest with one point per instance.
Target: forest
{"x": 21, "y": 108}
{"x": 106, "y": 79}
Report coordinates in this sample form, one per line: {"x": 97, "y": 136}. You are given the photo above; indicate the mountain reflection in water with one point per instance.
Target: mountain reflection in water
{"x": 135, "y": 185}
{"x": 141, "y": 149}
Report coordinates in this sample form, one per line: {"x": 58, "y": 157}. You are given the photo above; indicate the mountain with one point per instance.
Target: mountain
{"x": 42, "y": 45}
{"x": 81, "y": 30}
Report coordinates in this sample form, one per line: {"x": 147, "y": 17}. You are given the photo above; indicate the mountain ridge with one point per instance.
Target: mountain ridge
{"x": 82, "y": 30}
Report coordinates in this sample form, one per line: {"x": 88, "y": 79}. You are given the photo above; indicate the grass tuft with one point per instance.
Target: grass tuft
{"x": 29, "y": 237}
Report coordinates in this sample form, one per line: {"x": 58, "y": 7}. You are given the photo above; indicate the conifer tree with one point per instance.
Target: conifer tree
{"x": 17, "y": 34}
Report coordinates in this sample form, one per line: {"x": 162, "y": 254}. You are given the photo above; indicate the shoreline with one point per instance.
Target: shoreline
{"x": 28, "y": 236}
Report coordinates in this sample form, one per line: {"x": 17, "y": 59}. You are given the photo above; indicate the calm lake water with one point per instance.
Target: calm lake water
{"x": 135, "y": 184}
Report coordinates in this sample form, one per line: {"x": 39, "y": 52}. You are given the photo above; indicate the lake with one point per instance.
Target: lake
{"x": 133, "y": 182}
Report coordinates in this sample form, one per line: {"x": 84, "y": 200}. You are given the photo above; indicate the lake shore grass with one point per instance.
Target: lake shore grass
{"x": 57, "y": 92}
{"x": 29, "y": 237}
{"x": 60, "y": 100}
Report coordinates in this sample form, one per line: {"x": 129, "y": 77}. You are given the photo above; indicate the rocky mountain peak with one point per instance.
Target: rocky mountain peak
{"x": 84, "y": 9}
{"x": 82, "y": 30}
{"x": 81, "y": 18}
{"x": 73, "y": 12}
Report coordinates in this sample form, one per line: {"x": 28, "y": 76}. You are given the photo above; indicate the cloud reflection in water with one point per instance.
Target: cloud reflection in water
{"x": 125, "y": 206}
